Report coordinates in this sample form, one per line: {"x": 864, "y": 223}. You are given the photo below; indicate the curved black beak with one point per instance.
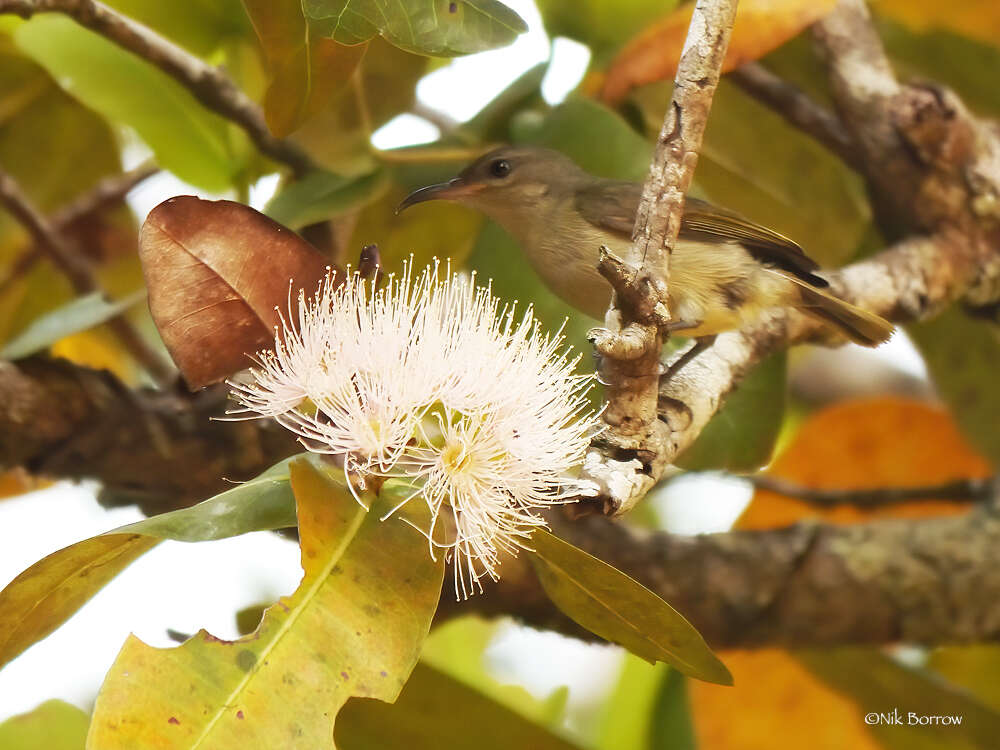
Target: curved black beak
{"x": 454, "y": 188}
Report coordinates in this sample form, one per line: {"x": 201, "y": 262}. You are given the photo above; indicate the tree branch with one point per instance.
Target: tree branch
{"x": 798, "y": 109}
{"x": 208, "y": 84}
{"x": 63, "y": 420}
{"x": 925, "y": 581}
{"x": 78, "y": 272}
{"x": 928, "y": 581}
{"x": 637, "y": 320}
{"x": 958, "y": 490}
{"x": 107, "y": 192}
{"x": 932, "y": 170}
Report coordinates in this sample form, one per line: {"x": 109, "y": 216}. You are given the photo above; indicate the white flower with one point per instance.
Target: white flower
{"x": 431, "y": 381}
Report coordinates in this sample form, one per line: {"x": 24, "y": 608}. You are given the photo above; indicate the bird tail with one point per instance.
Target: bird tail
{"x": 860, "y": 326}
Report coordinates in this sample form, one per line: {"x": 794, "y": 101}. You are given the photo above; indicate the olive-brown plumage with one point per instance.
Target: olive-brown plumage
{"x": 724, "y": 270}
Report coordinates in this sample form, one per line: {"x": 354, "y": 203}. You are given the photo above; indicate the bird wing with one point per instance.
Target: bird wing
{"x": 612, "y": 206}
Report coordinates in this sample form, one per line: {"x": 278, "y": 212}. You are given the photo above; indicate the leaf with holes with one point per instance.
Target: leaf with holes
{"x": 45, "y": 595}
{"x": 217, "y": 274}
{"x": 354, "y": 627}
{"x": 440, "y": 28}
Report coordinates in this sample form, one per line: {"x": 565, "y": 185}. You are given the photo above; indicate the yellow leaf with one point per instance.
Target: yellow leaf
{"x": 354, "y": 627}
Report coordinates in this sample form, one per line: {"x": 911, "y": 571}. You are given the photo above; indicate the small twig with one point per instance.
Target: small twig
{"x": 799, "y": 109}
{"x": 959, "y": 491}
{"x": 208, "y": 84}
{"x": 107, "y": 192}
{"x": 631, "y": 344}
{"x": 75, "y": 268}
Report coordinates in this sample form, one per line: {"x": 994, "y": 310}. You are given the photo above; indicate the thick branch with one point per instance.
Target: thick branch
{"x": 928, "y": 581}
{"x": 155, "y": 448}
{"x": 639, "y": 314}
{"x": 78, "y": 272}
{"x": 798, "y": 109}
{"x": 209, "y": 85}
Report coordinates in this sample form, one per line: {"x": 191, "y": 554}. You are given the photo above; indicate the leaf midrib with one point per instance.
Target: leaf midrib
{"x": 321, "y": 577}
{"x": 615, "y": 613}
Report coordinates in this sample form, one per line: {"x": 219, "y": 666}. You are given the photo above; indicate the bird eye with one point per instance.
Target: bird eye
{"x": 500, "y": 168}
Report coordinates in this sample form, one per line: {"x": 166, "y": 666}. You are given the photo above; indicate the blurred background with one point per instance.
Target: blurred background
{"x": 74, "y": 109}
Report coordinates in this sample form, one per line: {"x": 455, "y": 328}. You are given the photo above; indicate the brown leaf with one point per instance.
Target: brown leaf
{"x": 217, "y": 271}
{"x": 306, "y": 69}
{"x": 761, "y": 26}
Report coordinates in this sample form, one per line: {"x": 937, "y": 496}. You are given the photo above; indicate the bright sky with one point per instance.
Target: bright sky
{"x": 189, "y": 586}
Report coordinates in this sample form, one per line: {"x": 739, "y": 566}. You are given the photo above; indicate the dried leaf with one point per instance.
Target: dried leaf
{"x": 354, "y": 627}
{"x": 620, "y": 609}
{"x": 217, "y": 274}
{"x": 761, "y": 26}
{"x": 879, "y": 442}
{"x": 306, "y": 69}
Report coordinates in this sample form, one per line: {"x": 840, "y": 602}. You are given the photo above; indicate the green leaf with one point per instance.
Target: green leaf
{"x": 671, "y": 727}
{"x": 354, "y": 627}
{"x": 200, "y": 26}
{"x": 578, "y": 123}
{"x": 37, "y": 115}
{"x": 457, "y": 648}
{"x": 439, "y": 28}
{"x": 438, "y": 230}
{"x": 321, "y": 196}
{"x": 742, "y": 435}
{"x": 624, "y": 718}
{"x": 492, "y": 122}
{"x": 755, "y": 163}
{"x": 963, "y": 357}
{"x": 974, "y": 668}
{"x": 79, "y": 315}
{"x": 196, "y": 145}
{"x": 45, "y": 595}
{"x": 603, "y": 26}
{"x": 436, "y": 711}
{"x": 878, "y": 683}
{"x": 54, "y": 725}
{"x": 966, "y": 65}
{"x": 619, "y": 609}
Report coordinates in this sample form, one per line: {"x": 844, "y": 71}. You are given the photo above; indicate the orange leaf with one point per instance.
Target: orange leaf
{"x": 217, "y": 271}
{"x": 869, "y": 443}
{"x": 776, "y": 702}
{"x": 761, "y": 26}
